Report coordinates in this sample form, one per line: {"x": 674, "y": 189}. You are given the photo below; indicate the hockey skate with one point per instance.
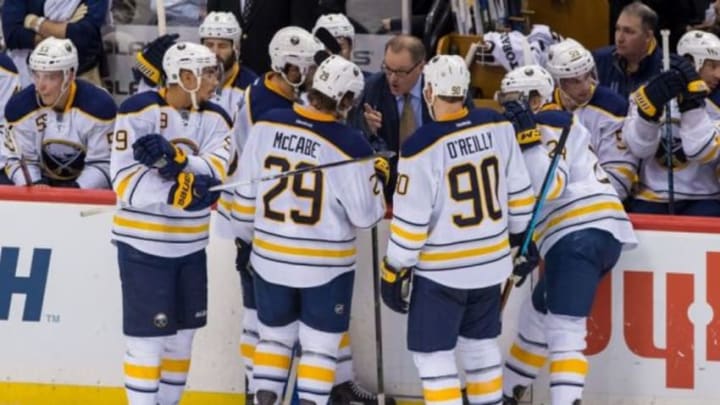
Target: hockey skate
{"x": 350, "y": 393}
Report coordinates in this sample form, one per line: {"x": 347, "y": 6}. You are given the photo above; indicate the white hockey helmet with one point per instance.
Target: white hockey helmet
{"x": 294, "y": 46}
{"x": 700, "y": 45}
{"x": 53, "y": 55}
{"x": 337, "y": 24}
{"x": 188, "y": 56}
{"x": 447, "y": 75}
{"x": 336, "y": 77}
{"x": 526, "y": 79}
{"x": 569, "y": 59}
{"x": 222, "y": 25}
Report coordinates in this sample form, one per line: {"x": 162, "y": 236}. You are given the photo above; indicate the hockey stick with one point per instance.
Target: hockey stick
{"x": 162, "y": 20}
{"x": 378, "y": 318}
{"x": 384, "y": 154}
{"x": 544, "y": 190}
{"x": 665, "y": 34}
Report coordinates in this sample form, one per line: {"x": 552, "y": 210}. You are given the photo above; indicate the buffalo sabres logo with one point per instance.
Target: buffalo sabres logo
{"x": 187, "y": 145}
{"x": 679, "y": 160}
{"x": 62, "y": 159}
{"x": 294, "y": 40}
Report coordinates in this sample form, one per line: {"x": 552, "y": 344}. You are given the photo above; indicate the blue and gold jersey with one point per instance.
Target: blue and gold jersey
{"x": 69, "y": 143}
{"x": 462, "y": 189}
{"x": 144, "y": 219}
{"x": 303, "y": 227}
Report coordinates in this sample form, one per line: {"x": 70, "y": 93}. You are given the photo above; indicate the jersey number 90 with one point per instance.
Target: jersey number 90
{"x": 313, "y": 193}
{"x": 477, "y": 185}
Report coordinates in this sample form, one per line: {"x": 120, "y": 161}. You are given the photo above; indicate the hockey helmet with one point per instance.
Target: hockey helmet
{"x": 222, "y": 25}
{"x": 700, "y": 45}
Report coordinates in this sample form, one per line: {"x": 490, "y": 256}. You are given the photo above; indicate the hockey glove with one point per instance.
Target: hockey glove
{"x": 192, "y": 192}
{"x": 523, "y": 121}
{"x": 382, "y": 170}
{"x": 242, "y": 259}
{"x": 395, "y": 287}
{"x": 695, "y": 89}
{"x": 149, "y": 61}
{"x": 523, "y": 265}
{"x": 652, "y": 97}
{"x": 153, "y": 150}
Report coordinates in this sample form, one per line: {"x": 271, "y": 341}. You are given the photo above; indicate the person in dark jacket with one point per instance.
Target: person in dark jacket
{"x": 26, "y": 23}
{"x": 636, "y": 56}
{"x": 261, "y": 19}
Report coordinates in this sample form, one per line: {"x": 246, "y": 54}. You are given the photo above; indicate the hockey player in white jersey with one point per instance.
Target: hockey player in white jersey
{"x": 703, "y": 50}
{"x": 302, "y": 230}
{"x": 695, "y": 137}
{"x": 60, "y": 125}
{"x": 9, "y": 85}
{"x": 463, "y": 199}
{"x": 580, "y": 234}
{"x": 169, "y": 147}
{"x": 600, "y": 110}
{"x": 221, "y": 32}
{"x": 292, "y": 52}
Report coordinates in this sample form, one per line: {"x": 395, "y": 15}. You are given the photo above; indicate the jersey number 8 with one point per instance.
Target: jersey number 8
{"x": 314, "y": 193}
{"x": 480, "y": 189}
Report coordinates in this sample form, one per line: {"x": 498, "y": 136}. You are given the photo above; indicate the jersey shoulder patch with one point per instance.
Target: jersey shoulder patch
{"x": 210, "y": 106}
{"x": 7, "y": 64}
{"x": 554, "y": 118}
{"x": 21, "y": 104}
{"x": 94, "y": 101}
{"x": 607, "y": 100}
{"x": 141, "y": 101}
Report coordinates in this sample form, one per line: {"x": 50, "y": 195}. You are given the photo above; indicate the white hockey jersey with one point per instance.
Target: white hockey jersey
{"x": 231, "y": 94}
{"x": 9, "y": 85}
{"x": 603, "y": 117}
{"x": 462, "y": 189}
{"x": 68, "y": 144}
{"x": 303, "y": 227}
{"x": 144, "y": 218}
{"x": 696, "y": 148}
{"x": 260, "y": 97}
{"x": 588, "y": 199}
{"x": 712, "y": 105}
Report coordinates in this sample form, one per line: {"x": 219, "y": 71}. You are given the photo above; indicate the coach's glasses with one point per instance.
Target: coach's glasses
{"x": 398, "y": 72}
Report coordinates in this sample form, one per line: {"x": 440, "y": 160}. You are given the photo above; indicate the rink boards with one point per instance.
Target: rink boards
{"x": 654, "y": 334}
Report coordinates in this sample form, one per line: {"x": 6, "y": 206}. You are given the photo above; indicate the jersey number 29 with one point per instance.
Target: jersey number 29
{"x": 313, "y": 193}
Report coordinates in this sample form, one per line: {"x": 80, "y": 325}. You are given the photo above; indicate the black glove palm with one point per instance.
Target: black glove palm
{"x": 526, "y": 132}
{"x": 523, "y": 265}
{"x": 695, "y": 89}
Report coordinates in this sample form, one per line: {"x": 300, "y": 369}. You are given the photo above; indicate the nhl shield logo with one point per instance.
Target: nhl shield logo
{"x": 160, "y": 320}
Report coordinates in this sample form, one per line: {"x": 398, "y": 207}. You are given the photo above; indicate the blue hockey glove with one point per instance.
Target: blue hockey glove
{"x": 192, "y": 192}
{"x": 526, "y": 131}
{"x": 395, "y": 287}
{"x": 523, "y": 265}
{"x": 154, "y": 150}
{"x": 148, "y": 62}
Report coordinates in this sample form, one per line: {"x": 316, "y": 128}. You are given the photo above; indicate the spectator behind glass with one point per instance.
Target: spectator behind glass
{"x": 26, "y": 23}
{"x": 182, "y": 12}
{"x": 636, "y": 56}
{"x": 261, "y": 19}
